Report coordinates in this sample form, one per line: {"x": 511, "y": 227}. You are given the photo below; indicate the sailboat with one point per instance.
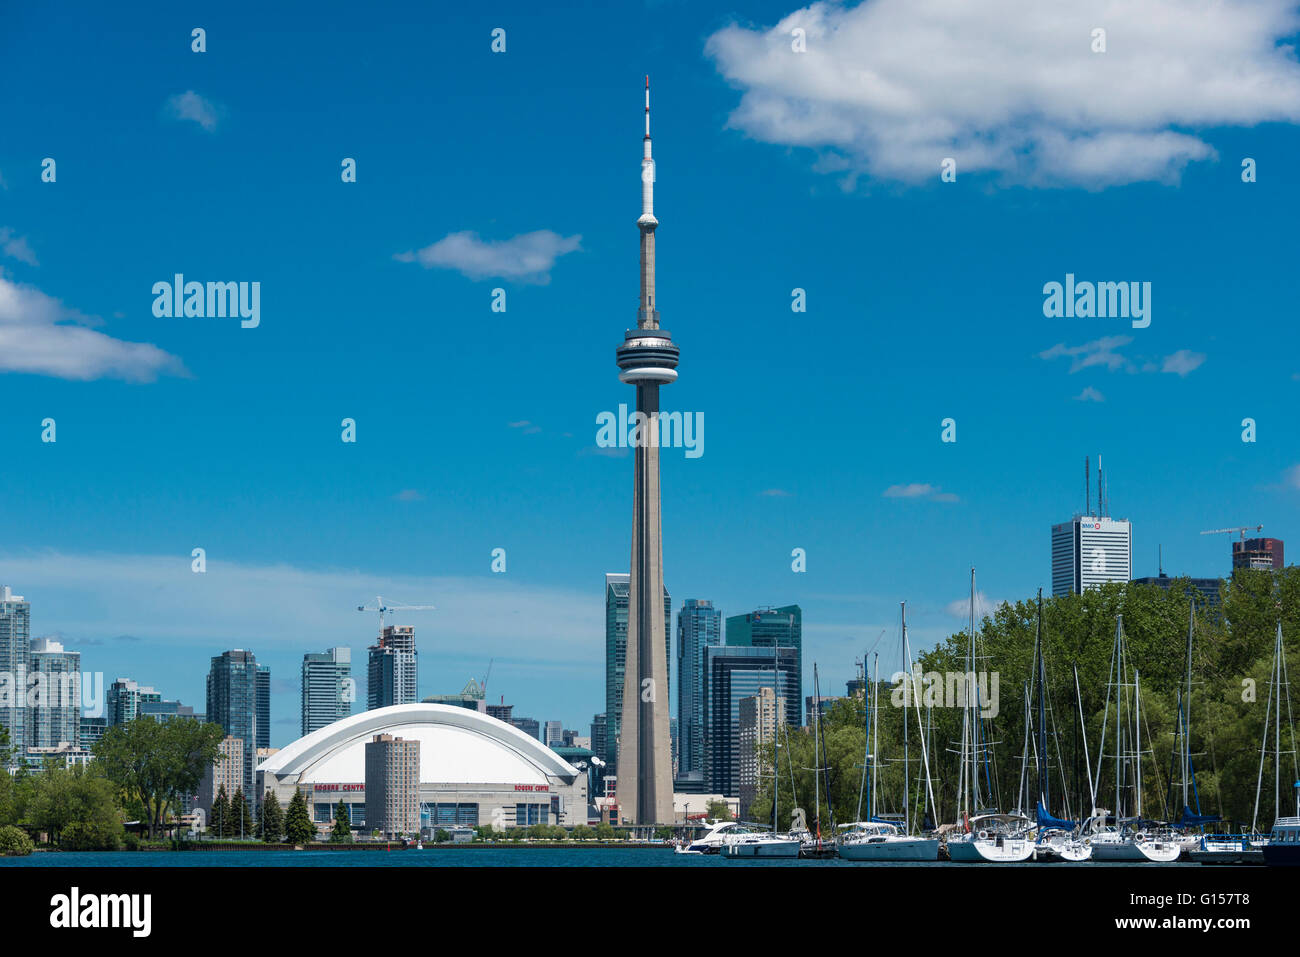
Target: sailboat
{"x": 873, "y": 839}
{"x": 1283, "y": 846}
{"x": 743, "y": 843}
{"x": 1055, "y": 840}
{"x": 1120, "y": 838}
{"x": 984, "y": 836}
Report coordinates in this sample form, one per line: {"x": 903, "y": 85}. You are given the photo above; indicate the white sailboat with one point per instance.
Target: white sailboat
{"x": 1055, "y": 840}
{"x": 982, "y": 836}
{"x": 877, "y": 840}
{"x": 1118, "y": 837}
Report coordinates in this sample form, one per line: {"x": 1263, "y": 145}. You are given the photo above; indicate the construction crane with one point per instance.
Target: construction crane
{"x": 1241, "y": 529}
{"x": 487, "y": 676}
{"x": 384, "y": 607}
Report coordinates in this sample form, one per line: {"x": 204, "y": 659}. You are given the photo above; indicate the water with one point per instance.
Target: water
{"x": 457, "y": 857}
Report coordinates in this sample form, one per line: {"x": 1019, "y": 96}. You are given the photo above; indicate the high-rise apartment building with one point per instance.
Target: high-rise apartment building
{"x": 699, "y": 625}
{"x": 327, "y": 688}
{"x": 393, "y": 786}
{"x": 54, "y": 717}
{"x": 125, "y": 698}
{"x": 1088, "y": 551}
{"x": 616, "y": 601}
{"x": 774, "y": 628}
{"x": 393, "y": 672}
{"x": 760, "y": 719}
{"x": 239, "y": 701}
{"x": 228, "y": 770}
{"x": 732, "y": 675}
{"x": 15, "y": 657}
{"x": 1265, "y": 553}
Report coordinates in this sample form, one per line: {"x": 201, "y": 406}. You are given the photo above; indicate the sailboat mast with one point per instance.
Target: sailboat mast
{"x": 907, "y": 700}
{"x": 1186, "y": 707}
{"x": 1044, "y": 780}
{"x": 1119, "y": 712}
{"x": 875, "y": 732}
{"x": 1137, "y": 745}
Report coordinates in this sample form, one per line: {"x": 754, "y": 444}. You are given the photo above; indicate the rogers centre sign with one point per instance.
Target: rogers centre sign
{"x": 532, "y": 787}
{"x": 338, "y": 787}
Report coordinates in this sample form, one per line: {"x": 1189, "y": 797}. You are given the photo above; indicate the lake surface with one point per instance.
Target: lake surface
{"x": 458, "y": 857}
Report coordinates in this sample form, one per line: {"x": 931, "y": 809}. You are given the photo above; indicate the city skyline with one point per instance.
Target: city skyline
{"x": 225, "y": 166}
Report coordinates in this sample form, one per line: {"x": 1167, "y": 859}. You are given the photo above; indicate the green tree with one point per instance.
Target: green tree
{"x": 583, "y": 833}
{"x": 219, "y": 824}
{"x": 241, "y": 818}
{"x": 441, "y": 836}
{"x": 719, "y": 810}
{"x": 605, "y": 831}
{"x": 14, "y": 842}
{"x": 271, "y": 826}
{"x": 341, "y": 833}
{"x": 297, "y": 821}
{"x": 75, "y": 807}
{"x": 158, "y": 763}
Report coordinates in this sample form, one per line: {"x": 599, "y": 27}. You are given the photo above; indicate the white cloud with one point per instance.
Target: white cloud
{"x": 236, "y": 604}
{"x": 1292, "y": 477}
{"x": 1089, "y": 394}
{"x": 1182, "y": 362}
{"x": 528, "y": 257}
{"x": 1105, "y": 352}
{"x": 775, "y": 493}
{"x": 960, "y": 607}
{"x": 409, "y": 495}
{"x": 15, "y": 247}
{"x": 40, "y": 335}
{"x": 923, "y": 490}
{"x": 891, "y": 87}
{"x": 190, "y": 106}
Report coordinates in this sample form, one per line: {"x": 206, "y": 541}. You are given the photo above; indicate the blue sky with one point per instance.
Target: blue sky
{"x": 476, "y": 429}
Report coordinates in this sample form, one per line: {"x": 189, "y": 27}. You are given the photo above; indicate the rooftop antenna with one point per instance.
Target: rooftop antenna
{"x": 1160, "y": 559}
{"x": 1087, "y": 487}
{"x": 1101, "y": 491}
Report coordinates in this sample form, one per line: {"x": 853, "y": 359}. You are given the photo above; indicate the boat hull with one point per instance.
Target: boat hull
{"x": 1132, "y": 852}
{"x": 764, "y": 849}
{"x": 990, "y": 852}
{"x": 1282, "y": 855}
{"x": 901, "y": 849}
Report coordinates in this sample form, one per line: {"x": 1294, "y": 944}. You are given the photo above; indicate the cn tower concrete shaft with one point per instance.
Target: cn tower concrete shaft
{"x": 647, "y": 359}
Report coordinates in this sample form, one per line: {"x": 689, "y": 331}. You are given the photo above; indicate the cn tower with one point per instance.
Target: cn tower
{"x": 647, "y": 359}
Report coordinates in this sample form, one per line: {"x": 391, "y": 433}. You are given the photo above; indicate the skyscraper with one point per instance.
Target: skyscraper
{"x": 760, "y": 717}
{"x": 56, "y": 713}
{"x": 326, "y": 688}
{"x": 15, "y": 656}
{"x": 647, "y": 359}
{"x": 393, "y": 786}
{"x": 1257, "y": 553}
{"x": 699, "y": 625}
{"x": 393, "y": 671}
{"x": 774, "y": 628}
{"x": 617, "y": 589}
{"x": 263, "y": 706}
{"x": 125, "y": 698}
{"x": 1088, "y": 551}
{"x": 730, "y": 676}
{"x": 235, "y": 693}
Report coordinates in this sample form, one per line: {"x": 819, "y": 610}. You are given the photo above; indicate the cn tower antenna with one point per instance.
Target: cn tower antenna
{"x": 647, "y": 106}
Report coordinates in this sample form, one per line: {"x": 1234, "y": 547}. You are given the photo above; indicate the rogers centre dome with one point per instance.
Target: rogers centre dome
{"x": 473, "y": 769}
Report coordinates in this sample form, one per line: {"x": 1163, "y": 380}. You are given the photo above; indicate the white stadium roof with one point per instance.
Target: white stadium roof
{"x": 457, "y": 746}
